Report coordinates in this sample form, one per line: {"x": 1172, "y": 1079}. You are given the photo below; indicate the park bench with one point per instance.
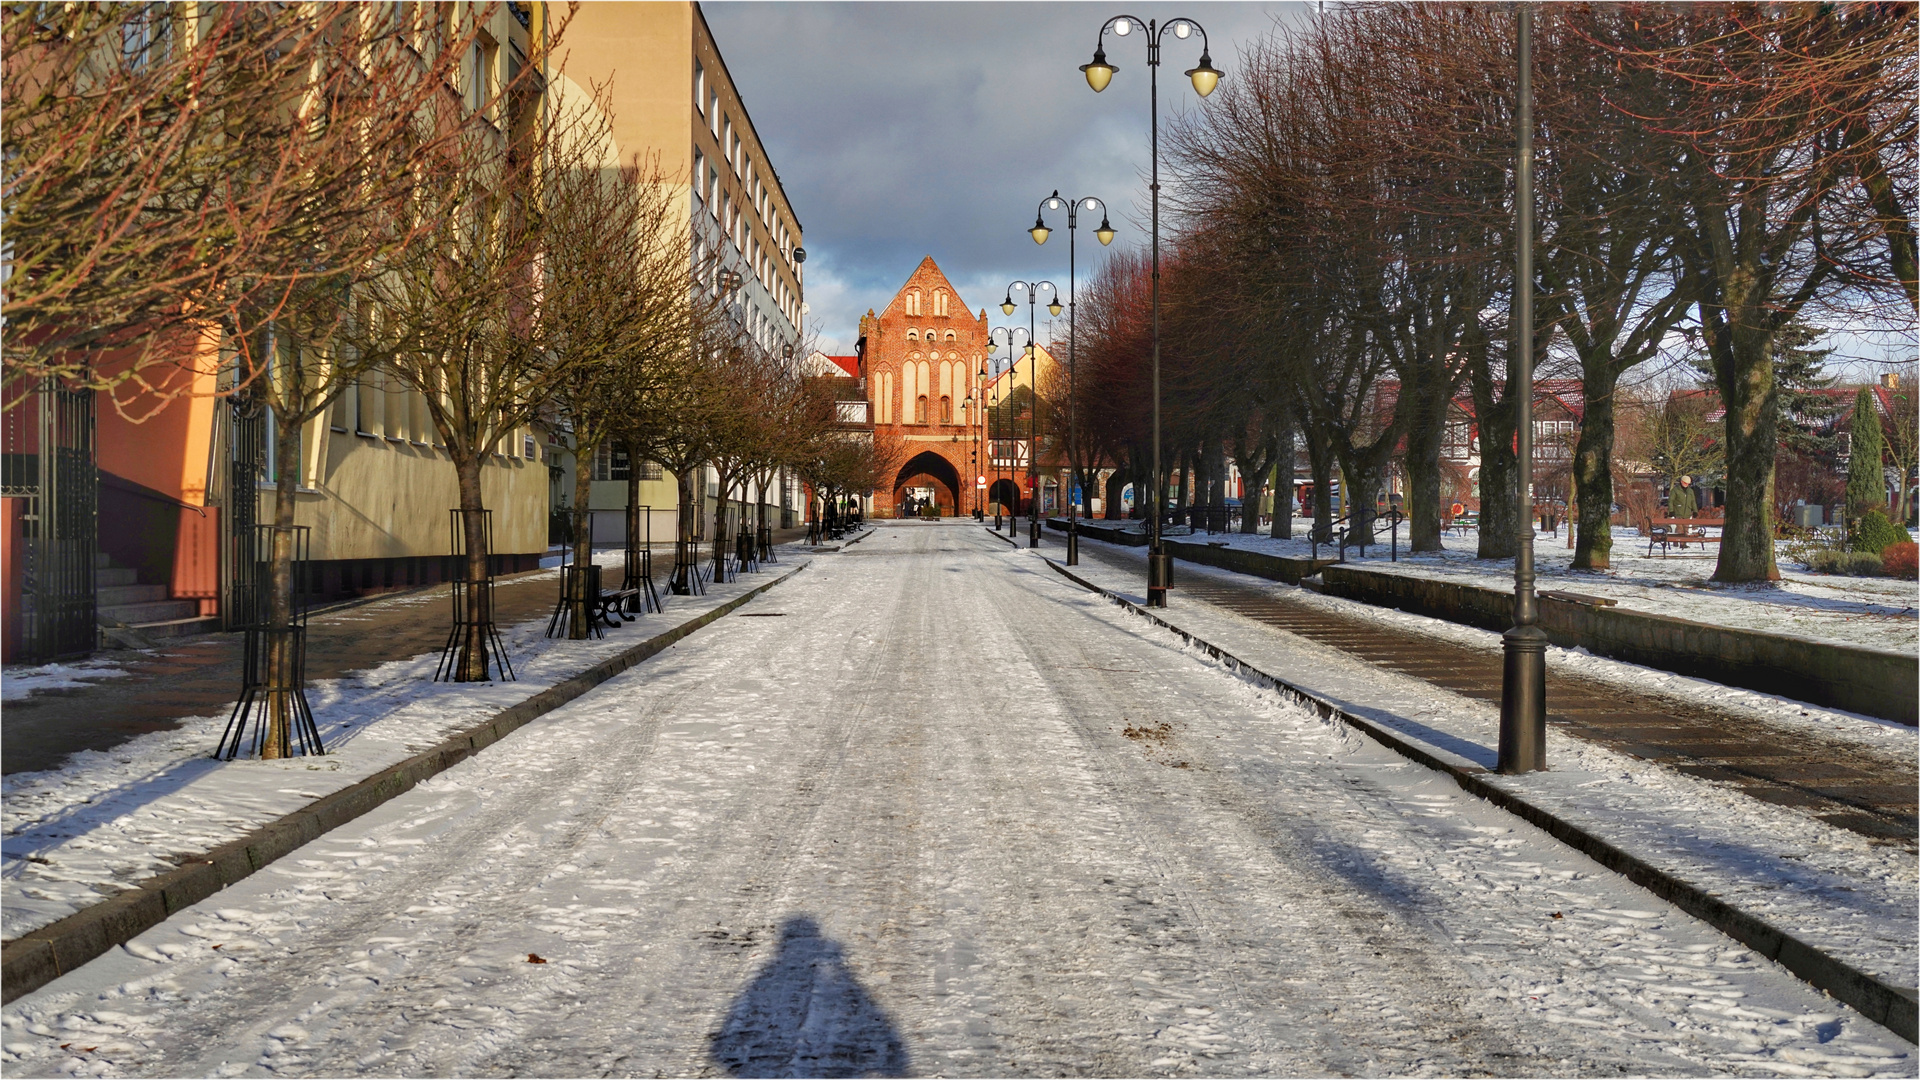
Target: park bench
{"x": 1679, "y": 532}
{"x": 603, "y": 605}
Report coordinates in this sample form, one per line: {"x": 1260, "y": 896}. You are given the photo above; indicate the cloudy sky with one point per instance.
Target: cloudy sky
{"x": 902, "y": 130}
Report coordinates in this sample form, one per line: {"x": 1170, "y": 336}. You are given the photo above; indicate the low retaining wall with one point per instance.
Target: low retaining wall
{"x": 1862, "y": 680}
{"x": 1242, "y": 561}
{"x": 1100, "y": 529}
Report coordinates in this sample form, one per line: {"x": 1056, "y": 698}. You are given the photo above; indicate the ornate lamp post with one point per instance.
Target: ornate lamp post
{"x": 1099, "y": 73}
{"x": 1032, "y": 290}
{"x": 1039, "y": 232}
{"x": 1010, "y": 338}
{"x": 1523, "y": 687}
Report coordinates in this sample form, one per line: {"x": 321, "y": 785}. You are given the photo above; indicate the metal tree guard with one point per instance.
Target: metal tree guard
{"x": 473, "y": 643}
{"x": 639, "y": 568}
{"x": 273, "y": 687}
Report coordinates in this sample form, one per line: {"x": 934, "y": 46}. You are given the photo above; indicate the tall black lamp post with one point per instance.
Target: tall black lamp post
{"x": 1032, "y": 290}
{"x": 1039, "y": 232}
{"x": 1010, "y": 337}
{"x": 1099, "y": 73}
{"x": 1523, "y": 688}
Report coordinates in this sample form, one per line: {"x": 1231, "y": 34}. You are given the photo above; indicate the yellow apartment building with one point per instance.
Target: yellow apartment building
{"x": 673, "y": 103}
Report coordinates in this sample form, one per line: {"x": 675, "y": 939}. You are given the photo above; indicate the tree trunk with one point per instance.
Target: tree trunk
{"x": 636, "y": 539}
{"x": 683, "y": 571}
{"x": 1282, "y": 526}
{"x": 472, "y": 663}
{"x": 579, "y": 603}
{"x": 1320, "y": 462}
{"x": 1744, "y": 371}
{"x": 1422, "y": 463}
{"x": 1593, "y": 473}
{"x": 720, "y": 537}
{"x": 280, "y": 646}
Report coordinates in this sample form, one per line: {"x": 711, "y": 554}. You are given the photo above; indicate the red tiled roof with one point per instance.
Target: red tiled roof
{"x": 848, "y": 364}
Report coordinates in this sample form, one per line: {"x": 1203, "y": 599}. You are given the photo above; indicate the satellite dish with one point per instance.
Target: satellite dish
{"x": 799, "y": 255}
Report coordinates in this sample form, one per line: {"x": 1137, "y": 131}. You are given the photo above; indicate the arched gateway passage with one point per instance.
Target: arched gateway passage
{"x": 1004, "y": 493}
{"x": 932, "y": 466}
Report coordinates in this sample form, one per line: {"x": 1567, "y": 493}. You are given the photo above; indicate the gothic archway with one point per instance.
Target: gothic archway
{"x": 1006, "y": 493}
{"x": 935, "y": 467}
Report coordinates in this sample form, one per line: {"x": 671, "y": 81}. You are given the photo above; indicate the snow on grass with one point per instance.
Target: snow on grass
{"x": 109, "y": 818}
{"x": 1878, "y": 613}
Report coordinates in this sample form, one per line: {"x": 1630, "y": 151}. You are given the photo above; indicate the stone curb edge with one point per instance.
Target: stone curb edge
{"x": 1894, "y": 1008}
{"x": 40, "y": 956}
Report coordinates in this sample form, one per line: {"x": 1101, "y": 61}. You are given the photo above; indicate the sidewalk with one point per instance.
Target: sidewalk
{"x": 1839, "y": 892}
{"x": 103, "y": 823}
{"x": 120, "y": 694}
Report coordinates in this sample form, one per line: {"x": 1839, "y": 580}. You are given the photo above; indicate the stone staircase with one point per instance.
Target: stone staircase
{"x": 122, "y": 604}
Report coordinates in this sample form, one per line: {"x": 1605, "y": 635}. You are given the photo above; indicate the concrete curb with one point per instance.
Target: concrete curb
{"x": 1893, "y": 1007}
{"x": 37, "y": 958}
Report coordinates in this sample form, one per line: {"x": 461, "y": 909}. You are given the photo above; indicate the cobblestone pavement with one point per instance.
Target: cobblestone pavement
{"x": 930, "y": 809}
{"x": 1871, "y": 794}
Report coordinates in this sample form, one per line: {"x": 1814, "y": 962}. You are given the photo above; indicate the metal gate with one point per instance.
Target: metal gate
{"x": 49, "y": 463}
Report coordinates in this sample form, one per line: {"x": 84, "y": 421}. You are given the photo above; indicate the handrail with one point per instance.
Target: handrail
{"x": 132, "y": 488}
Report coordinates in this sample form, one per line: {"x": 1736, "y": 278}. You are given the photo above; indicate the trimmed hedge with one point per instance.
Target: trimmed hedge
{"x": 1848, "y": 563}
{"x": 1875, "y": 532}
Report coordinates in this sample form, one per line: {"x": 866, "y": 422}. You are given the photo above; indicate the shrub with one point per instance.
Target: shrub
{"x": 1847, "y": 563}
{"x": 1901, "y": 560}
{"x": 1875, "y": 532}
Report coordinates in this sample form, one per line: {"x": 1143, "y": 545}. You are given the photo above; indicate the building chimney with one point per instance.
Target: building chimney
{"x": 1890, "y": 380}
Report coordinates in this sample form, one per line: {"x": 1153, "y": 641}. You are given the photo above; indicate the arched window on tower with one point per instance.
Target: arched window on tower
{"x": 912, "y": 334}
{"x": 940, "y": 302}
{"x": 946, "y": 410}
{"x": 920, "y": 409}
{"x": 913, "y": 302}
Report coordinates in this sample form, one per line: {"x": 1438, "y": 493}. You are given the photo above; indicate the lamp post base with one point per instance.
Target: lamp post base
{"x": 1033, "y": 532}
{"x": 1159, "y": 578}
{"x": 1073, "y": 546}
{"x": 1523, "y": 701}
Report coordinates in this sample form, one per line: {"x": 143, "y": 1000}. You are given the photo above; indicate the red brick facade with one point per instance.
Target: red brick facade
{"x": 923, "y": 355}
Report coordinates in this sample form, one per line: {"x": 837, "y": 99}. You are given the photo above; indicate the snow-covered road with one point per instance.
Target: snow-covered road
{"x": 945, "y": 813}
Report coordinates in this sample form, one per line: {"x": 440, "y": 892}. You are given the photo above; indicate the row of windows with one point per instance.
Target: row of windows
{"x": 932, "y": 334}
{"x": 940, "y": 298}
{"x": 612, "y": 463}
{"x": 734, "y": 148}
{"x": 381, "y": 406}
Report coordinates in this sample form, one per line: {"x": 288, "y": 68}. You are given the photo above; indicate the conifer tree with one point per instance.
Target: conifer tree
{"x": 1866, "y": 479}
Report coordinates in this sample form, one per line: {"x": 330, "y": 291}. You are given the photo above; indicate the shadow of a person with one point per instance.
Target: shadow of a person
{"x": 805, "y": 1014}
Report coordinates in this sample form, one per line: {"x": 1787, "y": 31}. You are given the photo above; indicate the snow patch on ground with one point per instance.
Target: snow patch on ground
{"x": 20, "y": 681}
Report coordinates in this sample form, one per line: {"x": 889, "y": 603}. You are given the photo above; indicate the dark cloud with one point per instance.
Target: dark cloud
{"x": 912, "y": 129}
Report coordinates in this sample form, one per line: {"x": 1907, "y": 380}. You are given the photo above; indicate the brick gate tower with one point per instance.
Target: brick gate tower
{"x": 922, "y": 356}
